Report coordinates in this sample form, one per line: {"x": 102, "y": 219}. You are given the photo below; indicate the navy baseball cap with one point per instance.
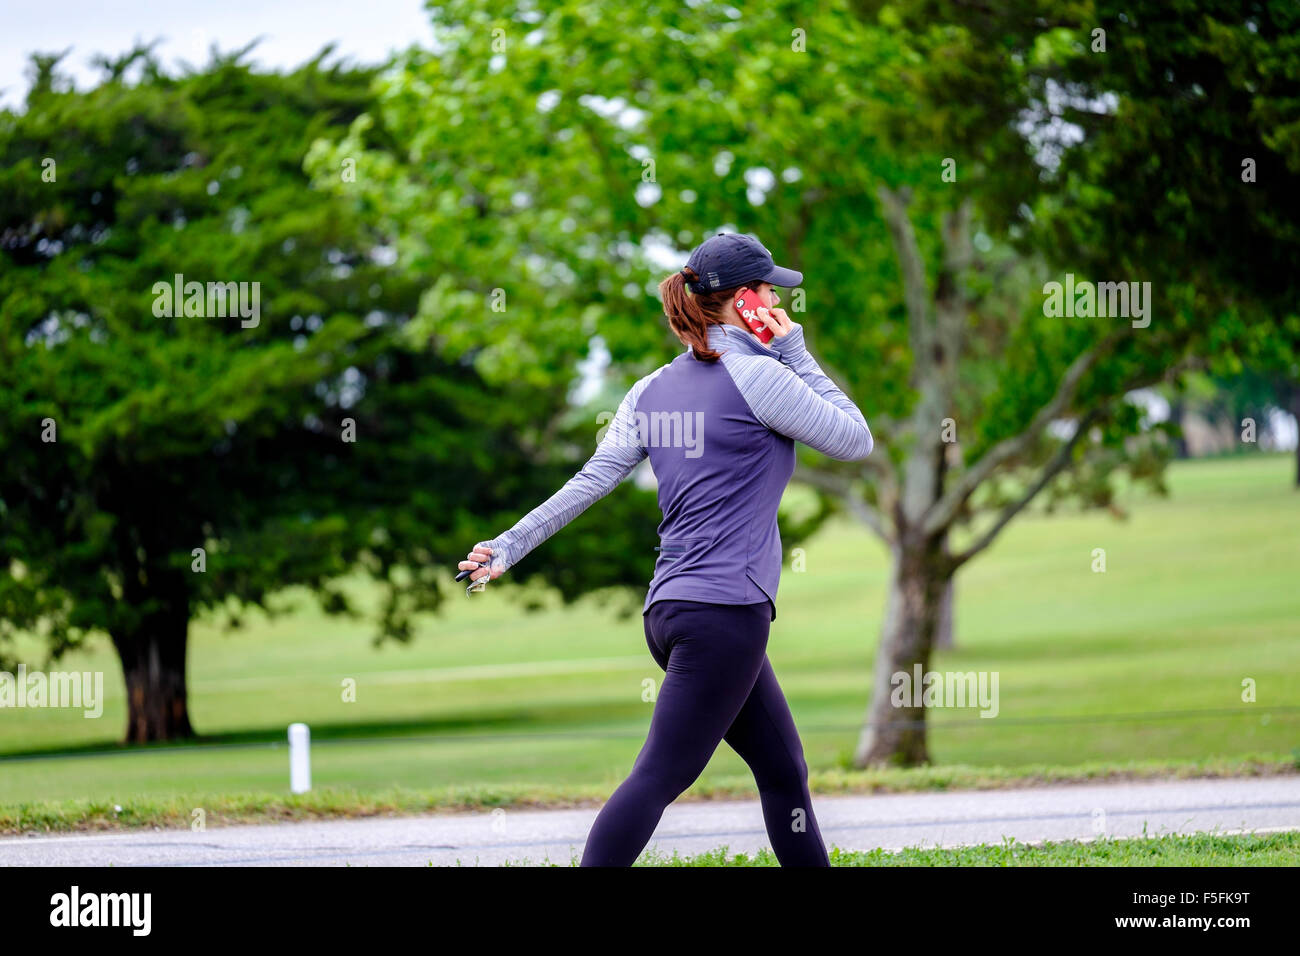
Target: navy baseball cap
{"x": 728, "y": 259}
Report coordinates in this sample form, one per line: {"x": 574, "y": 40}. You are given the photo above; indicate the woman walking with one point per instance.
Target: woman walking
{"x": 718, "y": 424}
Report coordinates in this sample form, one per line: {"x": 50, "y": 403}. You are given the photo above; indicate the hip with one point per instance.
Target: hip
{"x": 743, "y": 627}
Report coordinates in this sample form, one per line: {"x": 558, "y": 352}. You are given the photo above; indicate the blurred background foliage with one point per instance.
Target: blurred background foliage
{"x": 459, "y": 251}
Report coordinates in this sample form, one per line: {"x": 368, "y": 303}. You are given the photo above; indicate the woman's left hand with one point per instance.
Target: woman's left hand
{"x": 481, "y": 555}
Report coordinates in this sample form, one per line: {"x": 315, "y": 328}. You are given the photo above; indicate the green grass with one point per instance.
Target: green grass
{"x": 1199, "y": 595}
{"x": 334, "y": 803}
{"x": 1202, "y": 849}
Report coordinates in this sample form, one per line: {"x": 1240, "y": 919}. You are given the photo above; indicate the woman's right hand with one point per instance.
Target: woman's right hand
{"x": 776, "y": 321}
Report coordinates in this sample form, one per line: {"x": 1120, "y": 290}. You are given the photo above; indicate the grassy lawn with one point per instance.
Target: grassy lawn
{"x": 1199, "y": 594}
{"x": 176, "y": 810}
{"x": 1202, "y": 849}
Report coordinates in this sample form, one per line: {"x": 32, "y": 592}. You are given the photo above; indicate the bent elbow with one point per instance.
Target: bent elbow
{"x": 861, "y": 447}
{"x": 855, "y": 449}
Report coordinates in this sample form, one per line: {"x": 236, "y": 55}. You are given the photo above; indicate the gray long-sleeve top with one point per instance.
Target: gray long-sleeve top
{"x": 720, "y": 438}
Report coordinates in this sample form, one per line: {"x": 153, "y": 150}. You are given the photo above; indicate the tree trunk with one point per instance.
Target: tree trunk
{"x": 153, "y": 666}
{"x": 1295, "y": 410}
{"x": 895, "y": 731}
{"x": 943, "y": 639}
{"x": 1177, "y": 412}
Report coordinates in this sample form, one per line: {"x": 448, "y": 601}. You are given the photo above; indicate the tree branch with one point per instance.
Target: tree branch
{"x": 894, "y": 207}
{"x": 842, "y": 487}
{"x": 1061, "y": 458}
{"x": 868, "y": 516}
{"x": 941, "y": 513}
{"x": 951, "y": 298}
{"x": 957, "y": 255}
{"x": 1053, "y": 467}
{"x": 880, "y": 465}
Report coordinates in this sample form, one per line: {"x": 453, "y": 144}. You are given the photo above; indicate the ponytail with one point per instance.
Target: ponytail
{"x": 690, "y": 314}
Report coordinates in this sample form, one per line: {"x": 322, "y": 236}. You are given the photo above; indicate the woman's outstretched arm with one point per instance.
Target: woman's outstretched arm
{"x": 619, "y": 451}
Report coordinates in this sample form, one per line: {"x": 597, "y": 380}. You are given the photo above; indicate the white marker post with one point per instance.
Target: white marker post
{"x": 299, "y": 758}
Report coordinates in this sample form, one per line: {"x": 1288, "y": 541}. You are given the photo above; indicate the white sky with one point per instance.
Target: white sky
{"x": 293, "y": 31}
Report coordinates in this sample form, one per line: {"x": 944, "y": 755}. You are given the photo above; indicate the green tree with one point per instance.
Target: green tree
{"x": 1137, "y": 177}
{"x": 929, "y": 166}
{"x": 133, "y": 437}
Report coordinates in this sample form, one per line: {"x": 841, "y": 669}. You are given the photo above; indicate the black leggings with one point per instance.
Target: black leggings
{"x": 718, "y": 685}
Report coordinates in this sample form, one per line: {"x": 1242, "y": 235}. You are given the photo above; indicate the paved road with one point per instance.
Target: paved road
{"x": 556, "y": 836}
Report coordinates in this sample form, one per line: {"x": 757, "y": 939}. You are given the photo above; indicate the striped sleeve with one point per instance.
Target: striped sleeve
{"x": 794, "y": 397}
{"x": 620, "y": 450}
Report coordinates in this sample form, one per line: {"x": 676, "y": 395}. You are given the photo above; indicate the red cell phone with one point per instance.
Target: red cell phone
{"x": 747, "y": 304}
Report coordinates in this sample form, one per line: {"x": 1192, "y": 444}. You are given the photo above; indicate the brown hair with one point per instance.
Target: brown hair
{"x": 691, "y": 313}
